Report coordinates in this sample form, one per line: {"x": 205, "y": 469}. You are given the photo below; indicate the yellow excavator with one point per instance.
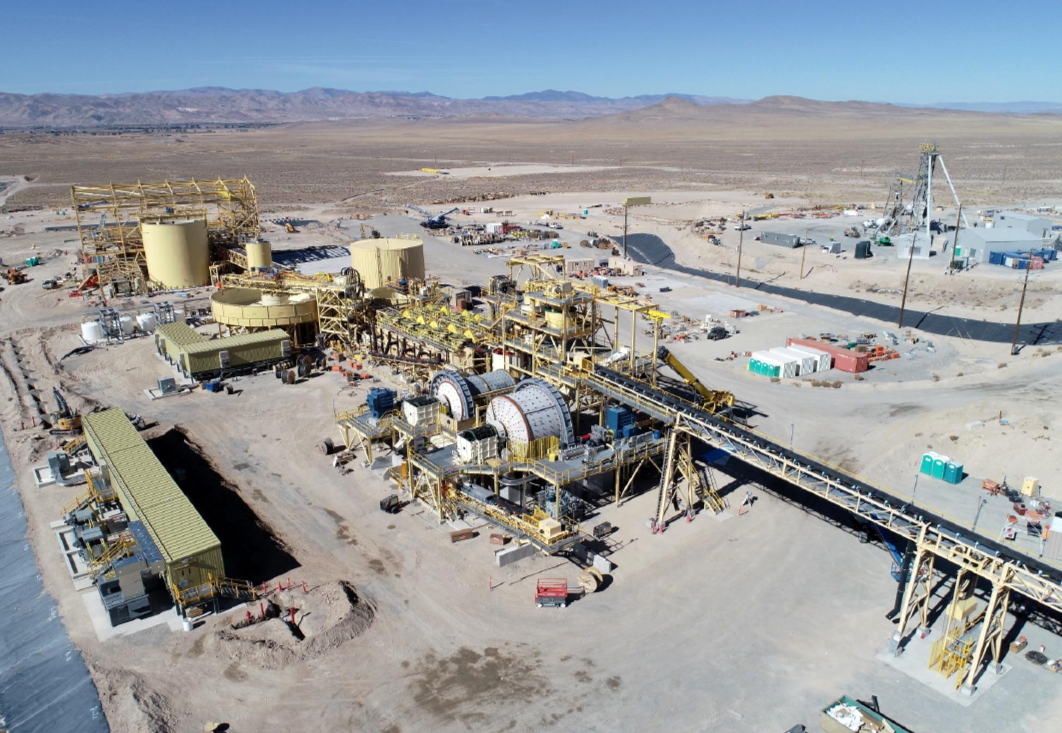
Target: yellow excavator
{"x": 712, "y": 400}
{"x": 290, "y": 227}
{"x": 64, "y": 420}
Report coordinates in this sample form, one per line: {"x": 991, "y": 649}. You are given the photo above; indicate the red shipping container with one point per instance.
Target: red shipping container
{"x": 843, "y": 359}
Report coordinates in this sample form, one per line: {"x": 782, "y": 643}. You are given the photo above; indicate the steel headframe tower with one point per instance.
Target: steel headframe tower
{"x": 909, "y": 214}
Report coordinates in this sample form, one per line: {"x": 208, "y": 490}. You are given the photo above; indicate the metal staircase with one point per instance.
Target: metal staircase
{"x": 123, "y": 547}
{"x": 240, "y": 590}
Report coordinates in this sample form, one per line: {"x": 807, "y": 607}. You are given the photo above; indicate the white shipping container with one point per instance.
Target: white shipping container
{"x": 808, "y": 364}
{"x": 790, "y": 364}
{"x": 825, "y": 361}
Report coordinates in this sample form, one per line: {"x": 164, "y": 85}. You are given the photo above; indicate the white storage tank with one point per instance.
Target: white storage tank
{"x": 533, "y": 410}
{"x": 177, "y": 253}
{"x": 92, "y": 331}
{"x": 147, "y": 322}
{"x": 127, "y": 324}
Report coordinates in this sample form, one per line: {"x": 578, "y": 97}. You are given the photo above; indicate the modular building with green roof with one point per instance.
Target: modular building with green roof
{"x": 190, "y": 550}
{"x": 233, "y": 354}
{"x": 201, "y": 357}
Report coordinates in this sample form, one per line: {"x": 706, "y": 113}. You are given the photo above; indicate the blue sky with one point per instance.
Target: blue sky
{"x": 917, "y": 52}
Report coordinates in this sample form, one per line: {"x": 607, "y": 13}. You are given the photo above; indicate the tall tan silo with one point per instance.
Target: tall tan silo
{"x": 259, "y": 255}
{"x": 177, "y": 252}
{"x": 386, "y": 261}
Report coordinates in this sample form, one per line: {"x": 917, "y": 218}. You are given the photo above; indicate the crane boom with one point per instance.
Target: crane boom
{"x": 715, "y": 400}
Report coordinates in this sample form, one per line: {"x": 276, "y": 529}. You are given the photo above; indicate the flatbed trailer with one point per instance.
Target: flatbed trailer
{"x": 873, "y": 721}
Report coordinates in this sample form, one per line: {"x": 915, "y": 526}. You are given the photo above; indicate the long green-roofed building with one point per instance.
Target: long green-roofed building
{"x": 190, "y": 550}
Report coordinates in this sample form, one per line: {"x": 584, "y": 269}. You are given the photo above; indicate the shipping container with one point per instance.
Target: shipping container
{"x": 809, "y": 364}
{"x": 782, "y": 240}
{"x": 844, "y": 360}
{"x": 824, "y": 359}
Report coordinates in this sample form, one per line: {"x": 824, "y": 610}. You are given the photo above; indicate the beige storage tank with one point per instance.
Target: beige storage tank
{"x": 177, "y": 253}
{"x": 250, "y": 308}
{"x": 386, "y": 261}
{"x": 259, "y": 256}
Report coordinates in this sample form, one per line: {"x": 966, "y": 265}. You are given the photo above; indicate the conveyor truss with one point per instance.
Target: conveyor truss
{"x": 932, "y": 535}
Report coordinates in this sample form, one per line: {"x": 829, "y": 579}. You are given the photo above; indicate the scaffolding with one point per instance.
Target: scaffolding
{"x": 109, "y": 217}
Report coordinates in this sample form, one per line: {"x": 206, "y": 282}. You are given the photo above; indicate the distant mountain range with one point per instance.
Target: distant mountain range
{"x": 218, "y": 105}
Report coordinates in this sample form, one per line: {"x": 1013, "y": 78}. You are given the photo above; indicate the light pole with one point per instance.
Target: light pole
{"x": 914, "y": 490}
{"x": 792, "y": 429}
{"x": 980, "y": 504}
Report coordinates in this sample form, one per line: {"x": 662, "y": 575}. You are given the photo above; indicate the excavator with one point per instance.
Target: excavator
{"x": 64, "y": 420}
{"x": 290, "y": 227}
{"x": 713, "y": 400}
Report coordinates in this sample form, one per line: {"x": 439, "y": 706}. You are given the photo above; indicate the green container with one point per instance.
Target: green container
{"x": 939, "y": 464}
{"x": 953, "y": 472}
{"x": 927, "y": 464}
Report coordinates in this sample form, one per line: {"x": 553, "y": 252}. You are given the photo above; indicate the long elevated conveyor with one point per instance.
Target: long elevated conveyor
{"x": 1007, "y": 568}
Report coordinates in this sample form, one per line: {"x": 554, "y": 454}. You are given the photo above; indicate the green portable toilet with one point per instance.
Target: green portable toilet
{"x": 927, "y": 463}
{"x": 939, "y": 463}
{"x": 953, "y": 472}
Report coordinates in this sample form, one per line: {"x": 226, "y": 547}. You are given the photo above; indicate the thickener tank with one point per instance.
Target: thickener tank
{"x": 251, "y": 308}
{"x": 458, "y": 391}
{"x": 533, "y": 410}
{"x": 177, "y": 253}
{"x": 259, "y": 255}
{"x": 387, "y": 261}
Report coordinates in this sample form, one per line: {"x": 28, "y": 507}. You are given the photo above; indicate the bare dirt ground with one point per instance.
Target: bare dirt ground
{"x": 749, "y": 624}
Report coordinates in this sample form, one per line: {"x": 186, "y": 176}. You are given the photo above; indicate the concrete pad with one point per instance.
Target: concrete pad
{"x": 101, "y": 623}
{"x": 914, "y": 662}
{"x": 42, "y": 476}
{"x": 723, "y": 516}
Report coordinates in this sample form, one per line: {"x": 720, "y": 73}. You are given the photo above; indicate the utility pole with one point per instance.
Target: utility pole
{"x": 803, "y": 252}
{"x": 624, "y": 231}
{"x": 741, "y": 239}
{"x": 1021, "y": 305}
{"x": 907, "y": 278}
{"x": 955, "y": 240}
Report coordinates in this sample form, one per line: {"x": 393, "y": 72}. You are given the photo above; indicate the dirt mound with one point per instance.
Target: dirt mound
{"x": 132, "y": 705}
{"x": 325, "y": 617}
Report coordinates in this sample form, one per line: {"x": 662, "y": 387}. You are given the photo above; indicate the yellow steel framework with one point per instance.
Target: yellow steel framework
{"x": 109, "y": 216}
{"x": 343, "y": 313}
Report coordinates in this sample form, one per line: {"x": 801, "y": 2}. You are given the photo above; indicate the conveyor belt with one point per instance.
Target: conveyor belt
{"x": 1027, "y": 575}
